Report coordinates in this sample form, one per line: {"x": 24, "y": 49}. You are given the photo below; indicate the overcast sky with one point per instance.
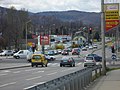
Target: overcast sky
{"x": 54, "y": 5}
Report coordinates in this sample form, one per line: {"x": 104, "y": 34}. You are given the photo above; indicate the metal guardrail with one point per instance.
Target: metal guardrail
{"x": 73, "y": 81}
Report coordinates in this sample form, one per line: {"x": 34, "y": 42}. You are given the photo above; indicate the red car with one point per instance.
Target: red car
{"x": 75, "y": 51}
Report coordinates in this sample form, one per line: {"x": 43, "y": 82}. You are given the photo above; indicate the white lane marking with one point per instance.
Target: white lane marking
{"x": 40, "y": 83}
{"x": 37, "y": 72}
{"x": 34, "y": 85}
{"x": 34, "y": 78}
{"x": 29, "y": 87}
{"x": 7, "y": 84}
{"x": 34, "y": 69}
{"x": 67, "y": 69}
{"x": 79, "y": 63}
{"x": 17, "y": 72}
{"x": 3, "y": 74}
{"x": 31, "y": 69}
{"x": 52, "y": 73}
{"x": 6, "y": 71}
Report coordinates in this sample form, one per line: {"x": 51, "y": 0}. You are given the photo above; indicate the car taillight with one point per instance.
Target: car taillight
{"x": 84, "y": 60}
{"x": 69, "y": 60}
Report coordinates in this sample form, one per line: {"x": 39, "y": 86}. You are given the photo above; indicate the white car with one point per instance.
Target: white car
{"x": 90, "y": 47}
{"x": 21, "y": 54}
{"x": 95, "y": 46}
{"x": 89, "y": 61}
{"x": 84, "y": 49}
{"x": 6, "y": 53}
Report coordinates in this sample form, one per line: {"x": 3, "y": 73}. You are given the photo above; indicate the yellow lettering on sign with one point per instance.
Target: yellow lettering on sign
{"x": 112, "y": 23}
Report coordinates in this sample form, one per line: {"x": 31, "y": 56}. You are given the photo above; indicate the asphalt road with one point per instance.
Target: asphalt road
{"x": 20, "y": 78}
{"x": 17, "y": 79}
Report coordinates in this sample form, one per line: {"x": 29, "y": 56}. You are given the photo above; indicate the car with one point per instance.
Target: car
{"x": 95, "y": 46}
{"x": 90, "y": 47}
{"x": 89, "y": 61}
{"x": 75, "y": 51}
{"x": 38, "y": 59}
{"x": 51, "y": 52}
{"x": 29, "y": 55}
{"x": 50, "y": 57}
{"x": 6, "y": 53}
{"x": 59, "y": 51}
{"x": 84, "y": 49}
{"x": 97, "y": 57}
{"x": 21, "y": 54}
{"x": 65, "y": 52}
{"x": 55, "y": 52}
{"x": 67, "y": 61}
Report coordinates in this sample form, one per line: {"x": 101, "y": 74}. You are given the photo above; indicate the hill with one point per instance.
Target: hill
{"x": 72, "y": 15}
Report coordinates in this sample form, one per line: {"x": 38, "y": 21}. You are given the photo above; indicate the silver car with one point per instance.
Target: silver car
{"x": 89, "y": 61}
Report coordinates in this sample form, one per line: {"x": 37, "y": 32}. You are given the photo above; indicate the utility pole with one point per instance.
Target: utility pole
{"x": 103, "y": 38}
{"x": 26, "y": 31}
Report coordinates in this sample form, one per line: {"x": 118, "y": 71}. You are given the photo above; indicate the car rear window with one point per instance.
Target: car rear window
{"x": 89, "y": 58}
{"x": 36, "y": 57}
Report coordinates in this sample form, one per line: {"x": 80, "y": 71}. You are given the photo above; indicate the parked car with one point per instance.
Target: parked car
{"x": 89, "y": 61}
{"x": 59, "y": 51}
{"x": 65, "y": 52}
{"x": 21, "y": 54}
{"x": 50, "y": 58}
{"x": 75, "y": 51}
{"x": 95, "y": 46}
{"x": 90, "y": 47}
{"x": 51, "y": 52}
{"x": 38, "y": 59}
{"x": 6, "y": 53}
{"x": 84, "y": 49}
{"x": 67, "y": 61}
{"x": 97, "y": 57}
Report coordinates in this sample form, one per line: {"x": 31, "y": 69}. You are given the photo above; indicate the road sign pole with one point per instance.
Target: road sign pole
{"x": 103, "y": 38}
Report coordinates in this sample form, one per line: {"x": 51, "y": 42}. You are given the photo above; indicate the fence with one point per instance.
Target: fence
{"x": 73, "y": 81}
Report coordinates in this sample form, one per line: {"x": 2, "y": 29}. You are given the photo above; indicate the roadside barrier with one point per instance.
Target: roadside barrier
{"x": 74, "y": 81}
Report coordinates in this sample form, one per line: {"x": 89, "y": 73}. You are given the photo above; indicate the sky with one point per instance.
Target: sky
{"x": 55, "y": 5}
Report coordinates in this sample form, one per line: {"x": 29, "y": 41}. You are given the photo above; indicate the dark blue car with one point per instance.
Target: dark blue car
{"x": 67, "y": 61}
{"x": 97, "y": 58}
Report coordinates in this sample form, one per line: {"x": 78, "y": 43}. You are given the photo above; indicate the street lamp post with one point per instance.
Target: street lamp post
{"x": 103, "y": 38}
{"x": 26, "y": 31}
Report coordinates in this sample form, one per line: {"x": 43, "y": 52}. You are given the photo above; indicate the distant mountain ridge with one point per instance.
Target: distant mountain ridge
{"x": 67, "y": 16}
{"x": 73, "y": 15}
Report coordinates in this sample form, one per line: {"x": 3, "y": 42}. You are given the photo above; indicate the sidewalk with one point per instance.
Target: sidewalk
{"x": 109, "y": 82}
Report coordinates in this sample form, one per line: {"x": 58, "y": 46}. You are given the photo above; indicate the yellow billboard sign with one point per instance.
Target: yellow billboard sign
{"x": 111, "y": 15}
{"x": 111, "y": 11}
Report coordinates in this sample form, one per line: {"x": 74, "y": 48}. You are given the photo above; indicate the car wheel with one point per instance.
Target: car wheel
{"x": 17, "y": 57}
{"x": 42, "y": 65}
{"x": 85, "y": 65}
{"x": 73, "y": 65}
{"x": 46, "y": 65}
{"x": 36, "y": 65}
{"x": 32, "y": 65}
{"x": 60, "y": 65}
{"x": 51, "y": 59}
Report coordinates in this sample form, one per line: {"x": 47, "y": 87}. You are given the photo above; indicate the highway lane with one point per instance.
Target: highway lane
{"x": 17, "y": 79}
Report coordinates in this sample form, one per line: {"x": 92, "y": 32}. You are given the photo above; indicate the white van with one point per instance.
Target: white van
{"x": 21, "y": 54}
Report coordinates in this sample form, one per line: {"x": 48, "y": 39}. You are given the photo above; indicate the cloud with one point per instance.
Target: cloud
{"x": 53, "y": 5}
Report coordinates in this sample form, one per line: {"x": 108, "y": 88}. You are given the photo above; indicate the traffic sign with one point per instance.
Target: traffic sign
{"x": 111, "y": 15}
